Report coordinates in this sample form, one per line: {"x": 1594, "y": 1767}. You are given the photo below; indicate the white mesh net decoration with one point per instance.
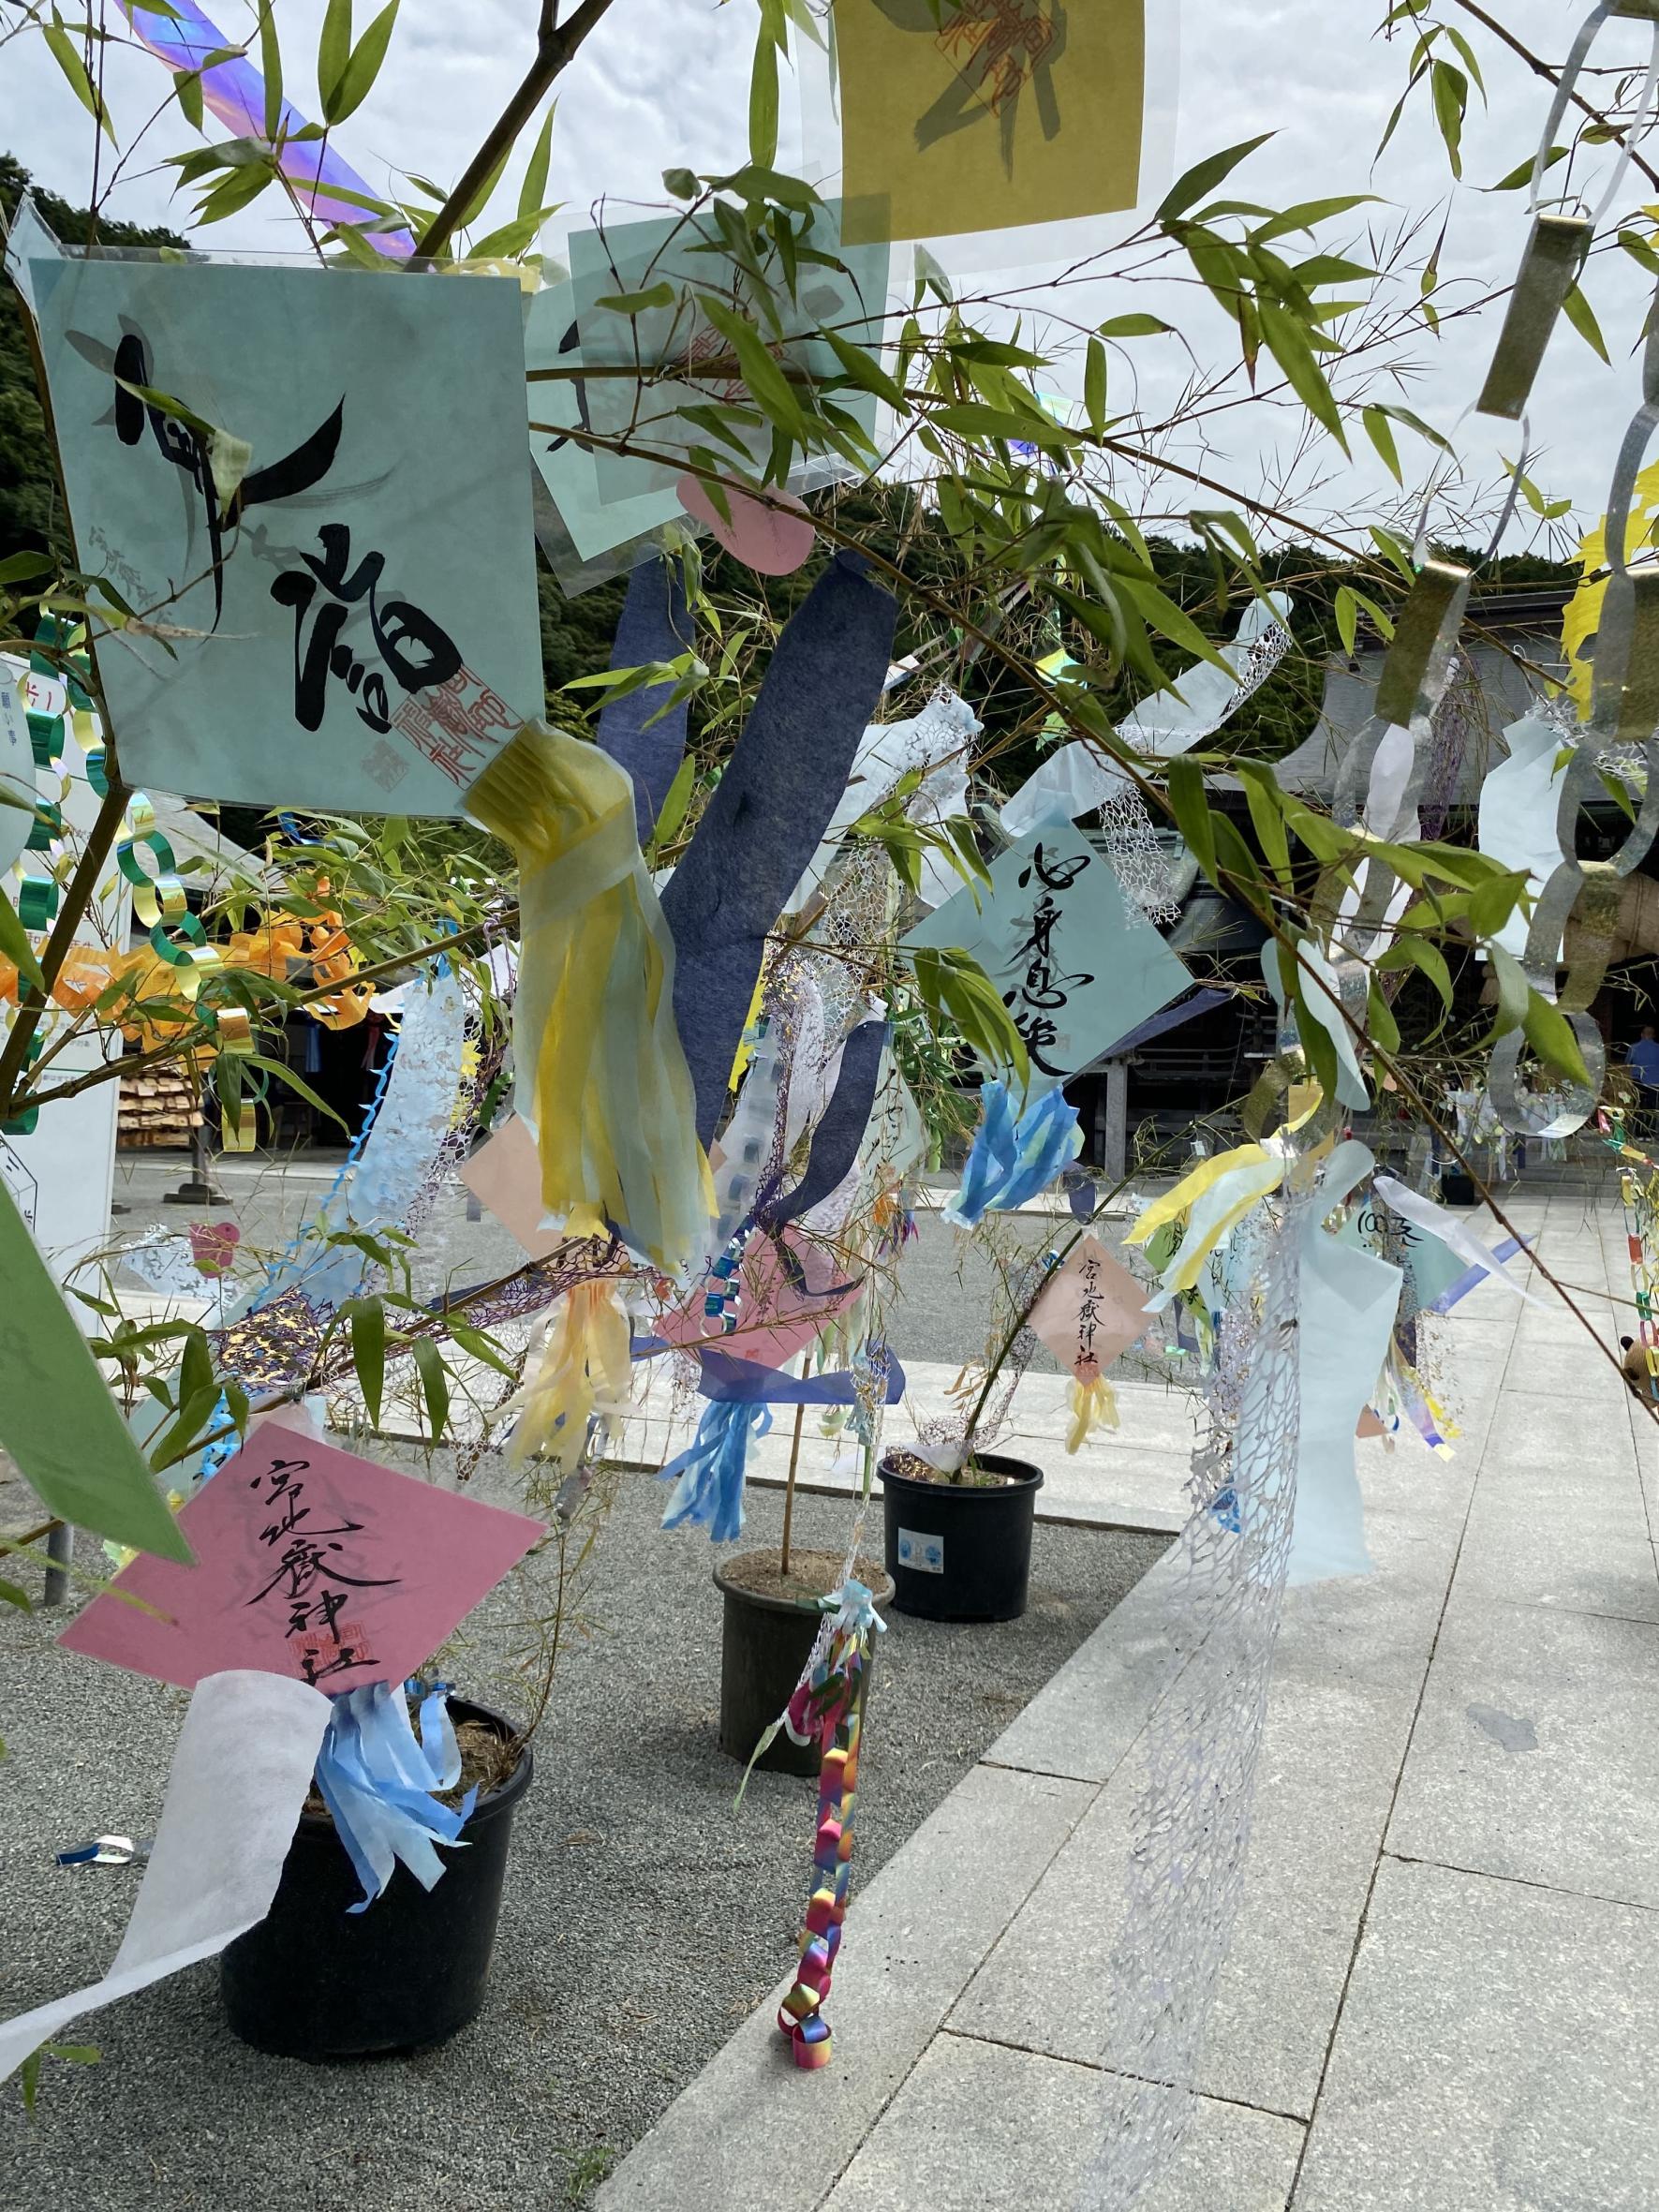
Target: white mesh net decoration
{"x": 1135, "y": 854}
{"x": 1192, "y": 1820}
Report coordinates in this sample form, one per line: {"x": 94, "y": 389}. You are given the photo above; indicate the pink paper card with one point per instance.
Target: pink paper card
{"x": 776, "y": 1318}
{"x": 1092, "y": 1311}
{"x": 311, "y": 1563}
{"x": 504, "y": 1175}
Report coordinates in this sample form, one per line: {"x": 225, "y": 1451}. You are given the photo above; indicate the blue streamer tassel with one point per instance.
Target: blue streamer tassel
{"x": 708, "y": 1476}
{"x": 1014, "y": 1160}
{"x": 377, "y": 1781}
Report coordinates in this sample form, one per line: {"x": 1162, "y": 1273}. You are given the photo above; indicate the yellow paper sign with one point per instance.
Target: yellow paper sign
{"x": 987, "y": 114}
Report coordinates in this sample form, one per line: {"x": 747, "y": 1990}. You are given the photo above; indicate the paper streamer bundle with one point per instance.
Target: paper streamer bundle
{"x": 586, "y": 1370}
{"x": 378, "y": 1781}
{"x": 1012, "y": 1160}
{"x": 602, "y": 1075}
{"x": 708, "y": 1476}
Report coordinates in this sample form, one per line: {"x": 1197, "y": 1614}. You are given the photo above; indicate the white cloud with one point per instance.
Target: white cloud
{"x": 664, "y": 82}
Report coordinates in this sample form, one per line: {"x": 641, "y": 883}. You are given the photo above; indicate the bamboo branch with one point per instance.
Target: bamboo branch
{"x": 555, "y": 47}
{"x": 32, "y": 1004}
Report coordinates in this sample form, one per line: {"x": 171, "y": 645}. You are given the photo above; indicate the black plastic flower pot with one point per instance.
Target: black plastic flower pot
{"x": 314, "y": 1980}
{"x": 763, "y": 1645}
{"x": 1456, "y": 1188}
{"x": 958, "y": 1552}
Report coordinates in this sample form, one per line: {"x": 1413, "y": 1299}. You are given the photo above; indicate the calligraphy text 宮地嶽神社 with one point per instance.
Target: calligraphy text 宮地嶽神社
{"x": 1087, "y": 1366}
{"x": 187, "y": 447}
{"x": 308, "y": 1582}
{"x": 1045, "y": 987}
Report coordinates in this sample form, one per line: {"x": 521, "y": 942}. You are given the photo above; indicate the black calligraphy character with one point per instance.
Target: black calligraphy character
{"x": 417, "y": 653}
{"x": 304, "y": 1561}
{"x": 1054, "y": 875}
{"x": 187, "y": 446}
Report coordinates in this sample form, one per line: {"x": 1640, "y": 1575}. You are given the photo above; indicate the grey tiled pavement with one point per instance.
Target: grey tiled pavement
{"x": 1443, "y": 1995}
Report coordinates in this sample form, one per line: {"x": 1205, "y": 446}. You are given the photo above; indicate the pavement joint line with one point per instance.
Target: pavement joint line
{"x": 1371, "y": 1890}
{"x": 944, "y": 2027}
{"x": 1124, "y": 2073}
{"x": 1521, "y": 1881}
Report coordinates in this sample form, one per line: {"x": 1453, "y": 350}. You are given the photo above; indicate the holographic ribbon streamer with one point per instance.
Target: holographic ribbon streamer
{"x": 828, "y": 1708}
{"x": 380, "y": 1783}
{"x": 234, "y": 91}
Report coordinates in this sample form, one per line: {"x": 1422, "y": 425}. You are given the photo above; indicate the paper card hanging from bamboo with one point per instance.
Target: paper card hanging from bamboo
{"x": 655, "y": 300}
{"x": 311, "y": 1563}
{"x": 998, "y": 130}
{"x": 1078, "y": 964}
{"x": 1092, "y": 1311}
{"x": 309, "y": 488}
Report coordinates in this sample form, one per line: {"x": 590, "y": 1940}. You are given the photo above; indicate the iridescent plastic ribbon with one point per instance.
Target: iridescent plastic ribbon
{"x": 233, "y": 90}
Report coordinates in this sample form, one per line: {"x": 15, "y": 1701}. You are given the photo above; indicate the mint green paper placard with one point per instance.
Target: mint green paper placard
{"x": 58, "y": 1418}
{"x": 841, "y": 288}
{"x": 1077, "y": 963}
{"x": 332, "y": 560}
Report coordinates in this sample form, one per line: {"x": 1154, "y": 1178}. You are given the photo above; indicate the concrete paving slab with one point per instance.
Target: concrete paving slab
{"x": 754, "y": 2130}
{"x": 1496, "y": 2054}
{"x": 981, "y": 2129}
{"x": 1536, "y": 1752}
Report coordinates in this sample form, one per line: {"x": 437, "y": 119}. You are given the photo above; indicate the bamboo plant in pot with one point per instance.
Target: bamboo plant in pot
{"x": 773, "y": 1607}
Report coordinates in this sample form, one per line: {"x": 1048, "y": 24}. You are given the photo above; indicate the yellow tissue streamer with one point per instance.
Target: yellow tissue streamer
{"x": 602, "y": 1077}
{"x": 1192, "y": 1187}
{"x": 586, "y": 1368}
{"x": 1583, "y": 614}
{"x": 1093, "y": 1405}
{"x": 1217, "y": 1193}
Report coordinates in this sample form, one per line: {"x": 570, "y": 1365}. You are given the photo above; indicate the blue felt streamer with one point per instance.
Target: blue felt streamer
{"x": 641, "y": 731}
{"x": 731, "y": 1381}
{"x": 768, "y": 814}
{"x": 377, "y": 1781}
{"x": 708, "y": 1476}
{"x": 1012, "y": 1160}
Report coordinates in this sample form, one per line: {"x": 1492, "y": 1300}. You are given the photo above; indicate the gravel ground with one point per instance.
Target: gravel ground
{"x": 643, "y": 1919}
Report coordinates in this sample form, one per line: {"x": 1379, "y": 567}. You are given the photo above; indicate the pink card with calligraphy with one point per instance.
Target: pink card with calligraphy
{"x": 777, "y": 1318}
{"x": 311, "y": 1563}
{"x": 1092, "y": 1311}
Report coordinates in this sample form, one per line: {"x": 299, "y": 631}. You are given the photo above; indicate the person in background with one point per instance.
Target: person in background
{"x": 1642, "y": 1060}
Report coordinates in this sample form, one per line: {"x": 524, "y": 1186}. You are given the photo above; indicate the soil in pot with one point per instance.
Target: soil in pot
{"x": 770, "y": 1623}
{"x": 317, "y": 1981}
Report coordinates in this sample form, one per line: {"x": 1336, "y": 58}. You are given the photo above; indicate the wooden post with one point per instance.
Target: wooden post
{"x": 1115, "y": 1144}
{"x": 788, "y": 1488}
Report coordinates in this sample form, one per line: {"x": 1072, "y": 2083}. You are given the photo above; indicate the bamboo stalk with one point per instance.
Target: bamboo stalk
{"x": 788, "y": 1488}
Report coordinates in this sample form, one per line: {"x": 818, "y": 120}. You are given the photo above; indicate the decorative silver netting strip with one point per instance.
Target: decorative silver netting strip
{"x": 1192, "y": 1820}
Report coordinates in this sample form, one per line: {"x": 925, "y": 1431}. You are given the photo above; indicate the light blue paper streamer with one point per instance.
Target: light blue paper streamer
{"x": 1012, "y": 1161}
{"x": 708, "y": 1476}
{"x": 1349, "y": 1298}
{"x": 377, "y": 1781}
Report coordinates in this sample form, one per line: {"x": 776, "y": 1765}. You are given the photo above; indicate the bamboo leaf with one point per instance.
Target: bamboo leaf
{"x": 1580, "y": 314}
{"x": 1551, "y": 1035}
{"x": 1135, "y": 326}
{"x": 534, "y": 189}
{"x": 1204, "y": 176}
{"x": 63, "y": 50}
{"x": 435, "y": 1384}
{"x": 357, "y": 79}
{"x": 1185, "y": 781}
{"x": 271, "y": 68}
{"x": 15, "y": 945}
{"x": 367, "y": 1317}
{"x": 1287, "y": 341}
{"x": 334, "y": 50}
{"x": 1094, "y": 387}
{"x": 762, "y": 103}
{"x": 1380, "y": 431}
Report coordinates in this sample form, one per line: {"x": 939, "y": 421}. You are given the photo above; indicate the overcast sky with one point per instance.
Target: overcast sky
{"x": 664, "y": 82}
